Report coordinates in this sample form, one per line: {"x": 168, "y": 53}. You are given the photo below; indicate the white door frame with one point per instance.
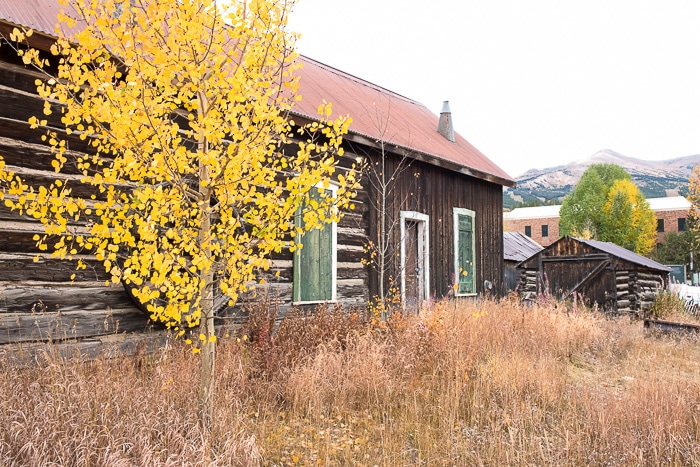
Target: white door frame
{"x": 423, "y": 250}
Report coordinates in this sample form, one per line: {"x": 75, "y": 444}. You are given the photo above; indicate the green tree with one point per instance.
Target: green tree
{"x": 197, "y": 169}
{"x": 605, "y": 205}
{"x": 676, "y": 249}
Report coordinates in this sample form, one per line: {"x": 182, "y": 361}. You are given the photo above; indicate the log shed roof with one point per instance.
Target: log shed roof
{"x": 568, "y": 248}
{"x": 406, "y": 126}
{"x": 626, "y": 255}
{"x": 519, "y": 247}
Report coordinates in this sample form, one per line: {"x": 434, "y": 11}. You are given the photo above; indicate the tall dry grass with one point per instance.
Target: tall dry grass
{"x": 485, "y": 383}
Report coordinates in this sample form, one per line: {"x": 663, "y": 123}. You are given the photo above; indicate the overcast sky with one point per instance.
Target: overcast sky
{"x": 534, "y": 83}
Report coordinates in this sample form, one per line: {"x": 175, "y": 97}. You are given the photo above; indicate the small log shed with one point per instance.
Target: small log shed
{"x": 602, "y": 273}
{"x": 517, "y": 247}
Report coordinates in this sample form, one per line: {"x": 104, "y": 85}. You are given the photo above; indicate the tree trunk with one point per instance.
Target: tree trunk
{"x": 382, "y": 233}
{"x": 206, "y": 324}
{"x": 208, "y": 354}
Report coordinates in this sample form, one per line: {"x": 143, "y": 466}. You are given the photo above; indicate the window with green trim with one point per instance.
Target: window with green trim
{"x": 464, "y": 252}
{"x": 315, "y": 262}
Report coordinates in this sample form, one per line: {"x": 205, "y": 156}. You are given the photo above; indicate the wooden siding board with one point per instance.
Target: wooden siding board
{"x": 33, "y": 296}
{"x": 61, "y": 326}
{"x": 21, "y": 131}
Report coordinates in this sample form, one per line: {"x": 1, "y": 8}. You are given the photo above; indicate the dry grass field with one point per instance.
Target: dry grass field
{"x": 485, "y": 383}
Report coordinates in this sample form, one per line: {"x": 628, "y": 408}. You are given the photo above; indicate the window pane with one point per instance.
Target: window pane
{"x": 660, "y": 225}
{"x": 545, "y": 231}
{"x": 528, "y": 230}
{"x": 681, "y": 224}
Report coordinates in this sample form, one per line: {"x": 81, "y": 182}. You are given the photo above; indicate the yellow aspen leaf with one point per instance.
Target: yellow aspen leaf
{"x": 16, "y": 35}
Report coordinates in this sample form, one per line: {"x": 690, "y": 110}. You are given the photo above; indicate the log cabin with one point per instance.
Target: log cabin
{"x": 442, "y": 209}
{"x": 601, "y": 273}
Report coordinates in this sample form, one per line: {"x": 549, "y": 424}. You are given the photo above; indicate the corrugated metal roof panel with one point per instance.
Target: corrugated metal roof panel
{"x": 39, "y": 15}
{"x": 377, "y": 113}
{"x": 625, "y": 254}
{"x": 519, "y": 247}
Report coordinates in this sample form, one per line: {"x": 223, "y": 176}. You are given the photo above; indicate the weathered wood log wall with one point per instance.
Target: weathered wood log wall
{"x": 624, "y": 287}
{"x": 648, "y": 287}
{"x": 39, "y": 301}
{"x": 529, "y": 283}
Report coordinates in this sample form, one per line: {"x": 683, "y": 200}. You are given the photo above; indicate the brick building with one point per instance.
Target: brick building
{"x": 671, "y": 215}
{"x": 541, "y": 223}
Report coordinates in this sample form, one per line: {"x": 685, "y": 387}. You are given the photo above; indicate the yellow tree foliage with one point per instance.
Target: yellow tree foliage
{"x": 197, "y": 169}
{"x": 694, "y": 198}
{"x": 629, "y": 222}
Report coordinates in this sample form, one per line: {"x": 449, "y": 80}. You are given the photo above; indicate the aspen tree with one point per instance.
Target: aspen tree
{"x": 186, "y": 107}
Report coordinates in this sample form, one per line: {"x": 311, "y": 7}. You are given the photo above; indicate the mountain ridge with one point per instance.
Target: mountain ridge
{"x": 550, "y": 185}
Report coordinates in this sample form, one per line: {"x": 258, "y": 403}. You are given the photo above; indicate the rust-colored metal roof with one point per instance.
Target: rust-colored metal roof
{"x": 380, "y": 114}
{"x": 39, "y": 15}
{"x": 377, "y": 113}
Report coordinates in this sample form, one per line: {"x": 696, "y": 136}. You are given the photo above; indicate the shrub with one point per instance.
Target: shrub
{"x": 666, "y": 304}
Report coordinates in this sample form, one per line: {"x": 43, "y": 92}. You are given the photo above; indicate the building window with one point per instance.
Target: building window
{"x": 528, "y": 230}
{"x": 681, "y": 224}
{"x": 545, "y": 231}
{"x": 464, "y": 251}
{"x": 660, "y": 225}
{"x": 315, "y": 263}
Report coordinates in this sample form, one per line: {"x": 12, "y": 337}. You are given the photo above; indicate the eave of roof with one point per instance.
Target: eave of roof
{"x": 625, "y": 254}
{"x": 39, "y": 15}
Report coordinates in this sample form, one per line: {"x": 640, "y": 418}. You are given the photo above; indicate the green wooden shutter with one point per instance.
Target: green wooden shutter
{"x": 314, "y": 277}
{"x": 465, "y": 254}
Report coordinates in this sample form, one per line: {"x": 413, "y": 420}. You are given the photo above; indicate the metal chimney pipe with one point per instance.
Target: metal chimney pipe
{"x": 445, "y": 124}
